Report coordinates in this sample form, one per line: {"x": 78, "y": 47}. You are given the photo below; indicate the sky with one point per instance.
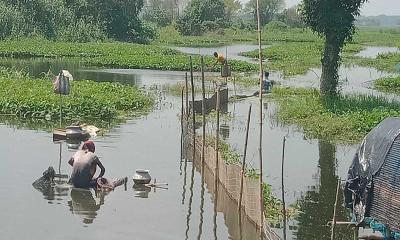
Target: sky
{"x": 371, "y": 8}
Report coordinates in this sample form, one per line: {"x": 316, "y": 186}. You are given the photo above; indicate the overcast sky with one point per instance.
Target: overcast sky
{"x": 371, "y": 8}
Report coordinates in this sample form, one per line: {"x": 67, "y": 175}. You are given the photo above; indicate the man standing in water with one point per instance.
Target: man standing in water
{"x": 84, "y": 163}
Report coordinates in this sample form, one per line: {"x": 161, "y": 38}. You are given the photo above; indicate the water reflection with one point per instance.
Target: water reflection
{"x": 141, "y": 191}
{"x": 83, "y": 204}
{"x": 316, "y": 205}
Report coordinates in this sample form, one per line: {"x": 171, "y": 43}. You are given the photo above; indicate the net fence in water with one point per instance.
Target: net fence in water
{"x": 229, "y": 176}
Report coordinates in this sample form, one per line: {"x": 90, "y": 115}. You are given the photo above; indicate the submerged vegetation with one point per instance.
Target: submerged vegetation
{"x": 28, "y": 98}
{"x": 342, "y": 118}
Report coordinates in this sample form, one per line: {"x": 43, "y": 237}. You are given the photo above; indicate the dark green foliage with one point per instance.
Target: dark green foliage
{"x": 333, "y": 20}
{"x": 160, "y": 12}
{"x": 73, "y": 20}
{"x": 201, "y": 16}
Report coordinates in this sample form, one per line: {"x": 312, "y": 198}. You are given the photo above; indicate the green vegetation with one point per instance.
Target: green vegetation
{"x": 28, "y": 98}
{"x": 268, "y": 9}
{"x": 388, "y": 84}
{"x": 169, "y": 36}
{"x": 117, "y": 54}
{"x": 342, "y": 118}
{"x": 383, "y": 62}
{"x": 74, "y": 20}
{"x": 297, "y": 57}
{"x": 202, "y": 16}
{"x": 375, "y": 36}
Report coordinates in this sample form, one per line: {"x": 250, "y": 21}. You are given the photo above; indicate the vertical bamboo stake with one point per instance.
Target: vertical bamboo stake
{"x": 261, "y": 114}
{"x": 59, "y": 163}
{"x": 217, "y": 137}
{"x": 244, "y": 159}
{"x": 61, "y": 110}
{"x": 334, "y": 211}
{"x": 187, "y": 96}
{"x": 193, "y": 113}
{"x": 203, "y": 109}
{"x": 283, "y": 189}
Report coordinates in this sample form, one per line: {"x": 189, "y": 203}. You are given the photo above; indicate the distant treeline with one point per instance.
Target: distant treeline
{"x": 376, "y": 21}
{"x": 74, "y": 20}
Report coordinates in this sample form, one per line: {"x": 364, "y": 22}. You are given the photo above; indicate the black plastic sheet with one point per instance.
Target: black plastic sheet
{"x": 367, "y": 161}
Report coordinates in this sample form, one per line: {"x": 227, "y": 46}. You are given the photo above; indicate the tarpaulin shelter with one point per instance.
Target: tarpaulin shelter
{"x": 373, "y": 183}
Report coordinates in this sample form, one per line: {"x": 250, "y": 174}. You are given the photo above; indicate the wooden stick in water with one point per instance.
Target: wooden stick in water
{"x": 244, "y": 159}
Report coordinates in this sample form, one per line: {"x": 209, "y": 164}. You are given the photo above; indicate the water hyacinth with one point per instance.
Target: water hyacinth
{"x": 25, "y": 97}
{"x": 113, "y": 55}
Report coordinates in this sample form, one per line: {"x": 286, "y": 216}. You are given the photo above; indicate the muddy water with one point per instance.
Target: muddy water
{"x": 374, "y": 51}
{"x": 183, "y": 211}
{"x": 231, "y": 51}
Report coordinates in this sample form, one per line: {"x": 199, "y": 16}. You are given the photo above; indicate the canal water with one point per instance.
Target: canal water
{"x": 152, "y": 141}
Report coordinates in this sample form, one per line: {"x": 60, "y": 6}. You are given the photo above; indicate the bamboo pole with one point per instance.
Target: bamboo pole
{"x": 261, "y": 114}
{"x": 334, "y": 211}
{"x": 187, "y": 96}
{"x": 203, "y": 109}
{"x": 61, "y": 103}
{"x": 59, "y": 163}
{"x": 283, "y": 189}
{"x": 216, "y": 166}
{"x": 217, "y": 136}
{"x": 193, "y": 113}
{"x": 244, "y": 160}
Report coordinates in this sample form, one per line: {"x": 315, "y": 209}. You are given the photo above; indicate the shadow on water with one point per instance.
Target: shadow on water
{"x": 316, "y": 205}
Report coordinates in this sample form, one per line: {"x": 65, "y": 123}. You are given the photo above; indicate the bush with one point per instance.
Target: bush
{"x": 202, "y": 15}
{"x": 276, "y": 25}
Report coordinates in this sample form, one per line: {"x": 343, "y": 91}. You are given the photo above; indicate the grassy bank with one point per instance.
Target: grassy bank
{"x": 113, "y": 55}
{"x": 342, "y": 119}
{"x": 28, "y": 98}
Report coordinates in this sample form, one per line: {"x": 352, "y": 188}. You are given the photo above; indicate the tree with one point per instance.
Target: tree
{"x": 161, "y": 12}
{"x": 202, "y": 15}
{"x": 231, "y": 8}
{"x": 268, "y": 9}
{"x": 292, "y": 17}
{"x": 333, "y": 20}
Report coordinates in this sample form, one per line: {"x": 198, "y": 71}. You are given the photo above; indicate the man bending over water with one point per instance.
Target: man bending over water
{"x": 84, "y": 163}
